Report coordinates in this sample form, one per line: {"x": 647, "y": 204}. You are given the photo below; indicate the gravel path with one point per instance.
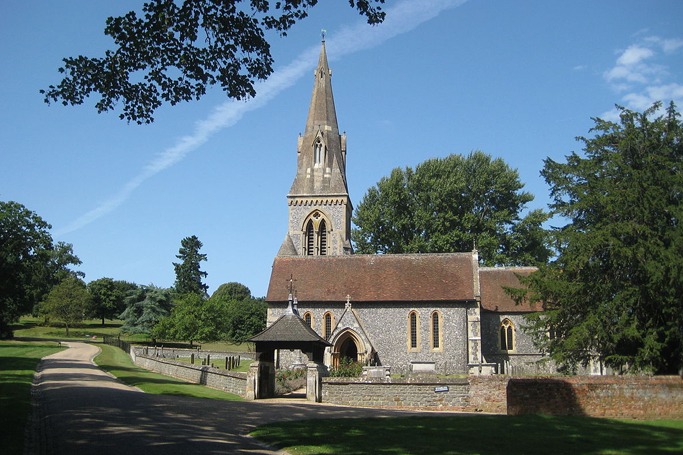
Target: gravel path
{"x": 79, "y": 409}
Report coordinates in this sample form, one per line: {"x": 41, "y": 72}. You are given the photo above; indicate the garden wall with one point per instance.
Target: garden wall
{"x": 637, "y": 397}
{"x": 446, "y": 394}
{"x": 232, "y": 382}
{"x": 640, "y": 397}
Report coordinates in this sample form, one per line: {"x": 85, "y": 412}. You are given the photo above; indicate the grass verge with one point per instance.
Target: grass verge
{"x": 479, "y": 434}
{"x": 118, "y": 363}
{"x": 18, "y": 362}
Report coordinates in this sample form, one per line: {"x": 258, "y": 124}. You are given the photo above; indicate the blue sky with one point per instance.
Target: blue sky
{"x": 517, "y": 80}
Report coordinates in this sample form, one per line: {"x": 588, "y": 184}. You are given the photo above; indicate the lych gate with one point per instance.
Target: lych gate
{"x": 288, "y": 332}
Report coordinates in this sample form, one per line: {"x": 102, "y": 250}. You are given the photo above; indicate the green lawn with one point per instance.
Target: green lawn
{"x": 118, "y": 363}
{"x": 479, "y": 434}
{"x": 30, "y": 327}
{"x": 18, "y": 362}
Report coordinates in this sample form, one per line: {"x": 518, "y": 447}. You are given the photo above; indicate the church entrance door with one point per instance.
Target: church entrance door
{"x": 349, "y": 350}
{"x": 348, "y": 345}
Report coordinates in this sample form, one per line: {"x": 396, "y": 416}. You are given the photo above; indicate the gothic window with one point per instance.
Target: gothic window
{"x": 322, "y": 238}
{"x": 436, "y": 331}
{"x": 308, "y": 317}
{"x": 413, "y": 331}
{"x": 327, "y": 325}
{"x": 310, "y": 238}
{"x": 507, "y": 335}
{"x": 316, "y": 238}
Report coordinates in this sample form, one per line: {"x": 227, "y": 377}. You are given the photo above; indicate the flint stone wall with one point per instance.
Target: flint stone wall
{"x": 451, "y": 394}
{"x": 227, "y": 381}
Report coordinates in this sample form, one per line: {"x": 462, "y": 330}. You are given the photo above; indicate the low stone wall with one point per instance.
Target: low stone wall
{"x": 437, "y": 394}
{"x": 639, "y": 397}
{"x": 227, "y": 381}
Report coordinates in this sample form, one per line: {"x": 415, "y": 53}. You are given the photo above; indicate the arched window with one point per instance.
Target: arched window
{"x": 327, "y": 325}
{"x": 315, "y": 235}
{"x": 413, "y": 331}
{"x": 507, "y": 335}
{"x": 310, "y": 238}
{"x": 435, "y": 328}
{"x": 322, "y": 239}
{"x": 308, "y": 317}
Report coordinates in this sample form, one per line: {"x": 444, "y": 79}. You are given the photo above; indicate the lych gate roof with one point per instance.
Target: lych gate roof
{"x": 289, "y": 328}
{"x": 494, "y": 280}
{"x": 374, "y": 278}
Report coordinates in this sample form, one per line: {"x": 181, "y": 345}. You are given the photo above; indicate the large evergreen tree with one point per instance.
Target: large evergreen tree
{"x": 188, "y": 272}
{"x": 615, "y": 292}
{"x": 145, "y": 307}
{"x": 452, "y": 204}
{"x": 176, "y": 50}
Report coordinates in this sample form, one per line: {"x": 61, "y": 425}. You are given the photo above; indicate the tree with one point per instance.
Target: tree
{"x": 145, "y": 307}
{"x": 175, "y": 50}
{"x": 229, "y": 315}
{"x": 187, "y": 321}
{"x": 615, "y": 291}
{"x": 188, "y": 273}
{"x": 232, "y": 291}
{"x": 68, "y": 302}
{"x": 245, "y": 319}
{"x": 452, "y": 204}
{"x": 30, "y": 264}
{"x": 108, "y": 297}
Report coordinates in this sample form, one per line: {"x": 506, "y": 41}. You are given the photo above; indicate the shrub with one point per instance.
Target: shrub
{"x": 347, "y": 369}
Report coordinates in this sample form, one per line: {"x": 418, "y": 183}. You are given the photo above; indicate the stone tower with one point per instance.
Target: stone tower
{"x": 319, "y": 204}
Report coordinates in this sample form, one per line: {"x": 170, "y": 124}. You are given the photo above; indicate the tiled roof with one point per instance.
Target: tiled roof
{"x": 493, "y": 280}
{"x": 374, "y": 278}
{"x": 289, "y": 327}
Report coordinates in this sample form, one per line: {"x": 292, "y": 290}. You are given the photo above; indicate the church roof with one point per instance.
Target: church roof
{"x": 494, "y": 280}
{"x": 374, "y": 278}
{"x": 289, "y": 328}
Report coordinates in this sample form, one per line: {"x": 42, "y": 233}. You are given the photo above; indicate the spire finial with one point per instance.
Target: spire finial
{"x": 323, "y": 33}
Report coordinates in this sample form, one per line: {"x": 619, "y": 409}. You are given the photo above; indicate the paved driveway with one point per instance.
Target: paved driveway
{"x": 79, "y": 409}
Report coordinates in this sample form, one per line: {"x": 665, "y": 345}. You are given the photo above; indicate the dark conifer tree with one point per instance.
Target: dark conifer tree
{"x": 188, "y": 272}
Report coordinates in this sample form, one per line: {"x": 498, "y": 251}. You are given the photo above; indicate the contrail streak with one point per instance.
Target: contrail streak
{"x": 402, "y": 18}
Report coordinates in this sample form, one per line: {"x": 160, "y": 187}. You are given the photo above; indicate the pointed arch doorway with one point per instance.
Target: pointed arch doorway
{"x": 348, "y": 345}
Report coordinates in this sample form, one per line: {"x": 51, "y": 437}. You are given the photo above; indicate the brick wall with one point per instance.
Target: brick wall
{"x": 640, "y": 397}
{"x": 488, "y": 393}
{"x": 232, "y": 382}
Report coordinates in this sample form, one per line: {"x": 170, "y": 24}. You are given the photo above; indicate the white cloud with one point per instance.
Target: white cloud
{"x": 633, "y": 55}
{"x": 403, "y": 17}
{"x": 642, "y": 76}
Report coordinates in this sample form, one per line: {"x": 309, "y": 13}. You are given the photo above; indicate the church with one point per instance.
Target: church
{"x": 414, "y": 313}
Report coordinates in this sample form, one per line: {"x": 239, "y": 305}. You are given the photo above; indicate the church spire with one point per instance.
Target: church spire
{"x": 321, "y": 113}
{"x": 319, "y": 204}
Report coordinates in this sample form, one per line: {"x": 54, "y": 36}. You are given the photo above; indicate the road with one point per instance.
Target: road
{"x": 80, "y": 409}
